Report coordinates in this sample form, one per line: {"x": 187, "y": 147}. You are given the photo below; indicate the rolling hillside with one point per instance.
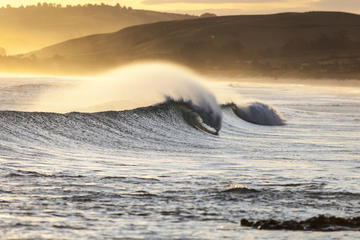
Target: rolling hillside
{"x": 317, "y": 44}
{"x": 32, "y": 27}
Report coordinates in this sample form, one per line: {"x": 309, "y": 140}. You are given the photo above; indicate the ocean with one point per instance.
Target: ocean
{"x": 277, "y": 161}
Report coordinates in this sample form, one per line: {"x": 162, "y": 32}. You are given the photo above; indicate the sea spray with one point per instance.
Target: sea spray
{"x": 131, "y": 87}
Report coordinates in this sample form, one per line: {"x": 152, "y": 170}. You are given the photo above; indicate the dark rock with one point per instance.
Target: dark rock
{"x": 319, "y": 223}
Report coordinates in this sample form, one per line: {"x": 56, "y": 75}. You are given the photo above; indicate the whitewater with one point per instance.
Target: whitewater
{"x": 154, "y": 151}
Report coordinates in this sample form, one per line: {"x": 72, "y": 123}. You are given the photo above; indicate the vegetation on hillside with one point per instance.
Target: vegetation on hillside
{"x": 315, "y": 44}
{"x": 27, "y": 28}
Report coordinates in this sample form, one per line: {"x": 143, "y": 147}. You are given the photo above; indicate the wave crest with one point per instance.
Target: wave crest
{"x": 257, "y": 113}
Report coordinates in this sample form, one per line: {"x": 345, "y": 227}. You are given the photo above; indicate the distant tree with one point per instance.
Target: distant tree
{"x": 2, "y": 51}
{"x": 207, "y": 15}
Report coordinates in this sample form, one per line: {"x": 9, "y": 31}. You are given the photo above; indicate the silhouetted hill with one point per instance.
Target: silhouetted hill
{"x": 316, "y": 44}
{"x": 32, "y": 27}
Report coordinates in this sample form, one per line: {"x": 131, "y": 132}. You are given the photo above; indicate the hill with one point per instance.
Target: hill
{"x": 313, "y": 44}
{"x": 28, "y": 28}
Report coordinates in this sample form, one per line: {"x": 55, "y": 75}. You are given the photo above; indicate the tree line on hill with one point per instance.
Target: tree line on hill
{"x": 59, "y": 5}
{"x": 28, "y": 28}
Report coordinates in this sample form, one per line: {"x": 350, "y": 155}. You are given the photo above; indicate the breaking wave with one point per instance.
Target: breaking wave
{"x": 140, "y": 100}
{"x": 257, "y": 113}
{"x": 199, "y": 116}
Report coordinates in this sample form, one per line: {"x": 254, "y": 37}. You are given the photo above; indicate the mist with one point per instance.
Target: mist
{"x": 128, "y": 87}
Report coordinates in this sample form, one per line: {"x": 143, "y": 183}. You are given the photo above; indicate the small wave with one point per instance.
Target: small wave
{"x": 33, "y": 174}
{"x": 142, "y": 194}
{"x": 131, "y": 179}
{"x": 257, "y": 113}
{"x": 319, "y": 223}
{"x": 240, "y": 189}
{"x": 68, "y": 227}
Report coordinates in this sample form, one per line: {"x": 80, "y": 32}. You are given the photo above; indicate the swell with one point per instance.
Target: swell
{"x": 172, "y": 121}
{"x": 141, "y": 127}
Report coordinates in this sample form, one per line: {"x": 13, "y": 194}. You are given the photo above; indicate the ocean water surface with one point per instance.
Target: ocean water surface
{"x": 291, "y": 153}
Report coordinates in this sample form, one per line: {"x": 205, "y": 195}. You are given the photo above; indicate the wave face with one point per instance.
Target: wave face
{"x": 207, "y": 114}
{"x": 257, "y": 113}
{"x": 154, "y": 124}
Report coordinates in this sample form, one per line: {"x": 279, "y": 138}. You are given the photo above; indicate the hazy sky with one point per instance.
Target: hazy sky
{"x": 218, "y": 6}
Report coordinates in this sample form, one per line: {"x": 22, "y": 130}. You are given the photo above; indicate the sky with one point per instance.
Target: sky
{"x": 220, "y": 7}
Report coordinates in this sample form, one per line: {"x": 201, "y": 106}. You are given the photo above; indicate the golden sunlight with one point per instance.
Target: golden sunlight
{"x": 219, "y": 7}
{"x": 179, "y": 119}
